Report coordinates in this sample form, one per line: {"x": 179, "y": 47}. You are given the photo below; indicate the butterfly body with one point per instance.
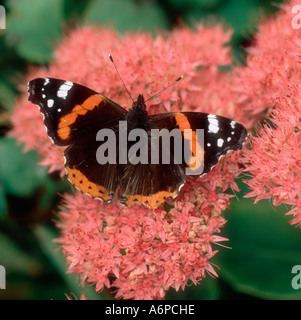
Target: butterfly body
{"x": 78, "y": 118}
{"x": 137, "y": 116}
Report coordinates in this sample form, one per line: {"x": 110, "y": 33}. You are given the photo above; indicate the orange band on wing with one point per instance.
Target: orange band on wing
{"x": 79, "y": 110}
{"x": 152, "y": 201}
{"x": 197, "y": 151}
{"x": 182, "y": 121}
{"x": 81, "y": 182}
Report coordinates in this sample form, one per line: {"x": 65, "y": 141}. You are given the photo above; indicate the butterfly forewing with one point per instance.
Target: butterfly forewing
{"x": 217, "y": 136}
{"x": 62, "y": 103}
{"x": 73, "y": 114}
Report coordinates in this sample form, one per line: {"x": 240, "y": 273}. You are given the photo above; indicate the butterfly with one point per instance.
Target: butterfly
{"x": 95, "y": 129}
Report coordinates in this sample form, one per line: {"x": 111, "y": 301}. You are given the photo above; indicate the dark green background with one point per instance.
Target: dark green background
{"x": 264, "y": 246}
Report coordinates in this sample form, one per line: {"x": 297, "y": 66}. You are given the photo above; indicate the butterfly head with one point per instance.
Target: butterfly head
{"x": 139, "y": 104}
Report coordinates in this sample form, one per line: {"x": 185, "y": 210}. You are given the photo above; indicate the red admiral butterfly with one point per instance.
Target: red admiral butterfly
{"x": 74, "y": 114}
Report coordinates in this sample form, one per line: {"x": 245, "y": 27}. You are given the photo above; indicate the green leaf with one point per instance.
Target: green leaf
{"x": 21, "y": 176}
{"x": 45, "y": 236}
{"x": 241, "y": 15}
{"x": 207, "y": 289}
{"x": 13, "y": 258}
{"x": 265, "y": 247}
{"x": 10, "y": 66}
{"x": 19, "y": 173}
{"x": 34, "y": 27}
{"x": 193, "y": 4}
{"x": 3, "y": 207}
{"x": 7, "y": 95}
{"x": 127, "y": 15}
{"x": 75, "y": 9}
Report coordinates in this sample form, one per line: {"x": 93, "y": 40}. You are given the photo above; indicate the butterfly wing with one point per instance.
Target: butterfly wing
{"x": 82, "y": 166}
{"x": 62, "y": 103}
{"x": 73, "y": 115}
{"x": 211, "y": 138}
{"x": 206, "y": 138}
{"x": 150, "y": 184}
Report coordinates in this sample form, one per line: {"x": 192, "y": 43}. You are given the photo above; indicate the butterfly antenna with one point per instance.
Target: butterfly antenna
{"x": 111, "y": 58}
{"x": 180, "y": 78}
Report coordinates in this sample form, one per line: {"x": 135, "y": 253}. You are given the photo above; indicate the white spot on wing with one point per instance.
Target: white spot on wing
{"x": 220, "y": 142}
{"x": 50, "y": 103}
{"x": 213, "y": 123}
{"x": 63, "y": 89}
{"x": 46, "y": 81}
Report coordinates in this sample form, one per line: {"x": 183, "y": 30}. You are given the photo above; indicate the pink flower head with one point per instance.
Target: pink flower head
{"x": 274, "y": 159}
{"x": 273, "y": 74}
{"x": 269, "y": 63}
{"x": 138, "y": 252}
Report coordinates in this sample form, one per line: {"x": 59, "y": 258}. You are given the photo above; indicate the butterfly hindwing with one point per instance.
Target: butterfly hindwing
{"x": 150, "y": 184}
{"x": 82, "y": 166}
